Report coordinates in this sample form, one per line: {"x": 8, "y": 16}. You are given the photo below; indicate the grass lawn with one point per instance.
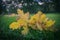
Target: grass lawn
{"x": 5, "y": 21}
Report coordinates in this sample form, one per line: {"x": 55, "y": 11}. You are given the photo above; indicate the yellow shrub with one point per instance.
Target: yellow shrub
{"x": 38, "y": 21}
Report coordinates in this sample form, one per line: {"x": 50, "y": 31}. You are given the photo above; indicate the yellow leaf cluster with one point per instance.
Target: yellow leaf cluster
{"x": 38, "y": 21}
{"x": 14, "y": 25}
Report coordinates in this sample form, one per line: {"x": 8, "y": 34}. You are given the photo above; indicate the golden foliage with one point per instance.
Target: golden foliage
{"x": 14, "y": 25}
{"x": 38, "y": 21}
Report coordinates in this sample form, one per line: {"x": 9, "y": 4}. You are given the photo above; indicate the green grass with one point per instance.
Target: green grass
{"x": 6, "y": 32}
{"x": 5, "y": 20}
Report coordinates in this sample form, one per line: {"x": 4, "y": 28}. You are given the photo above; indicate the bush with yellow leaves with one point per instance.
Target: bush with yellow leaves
{"x": 38, "y": 21}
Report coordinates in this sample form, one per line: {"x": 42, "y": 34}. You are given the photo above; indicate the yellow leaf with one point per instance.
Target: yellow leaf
{"x": 20, "y": 12}
{"x": 39, "y": 27}
{"x": 14, "y": 25}
{"x": 25, "y": 31}
{"x": 49, "y": 23}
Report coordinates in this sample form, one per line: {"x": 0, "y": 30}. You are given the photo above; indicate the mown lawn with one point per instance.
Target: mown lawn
{"x": 6, "y": 20}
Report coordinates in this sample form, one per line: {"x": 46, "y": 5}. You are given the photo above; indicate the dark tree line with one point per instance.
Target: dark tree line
{"x": 57, "y": 5}
{"x": 46, "y": 7}
{"x": 1, "y": 6}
